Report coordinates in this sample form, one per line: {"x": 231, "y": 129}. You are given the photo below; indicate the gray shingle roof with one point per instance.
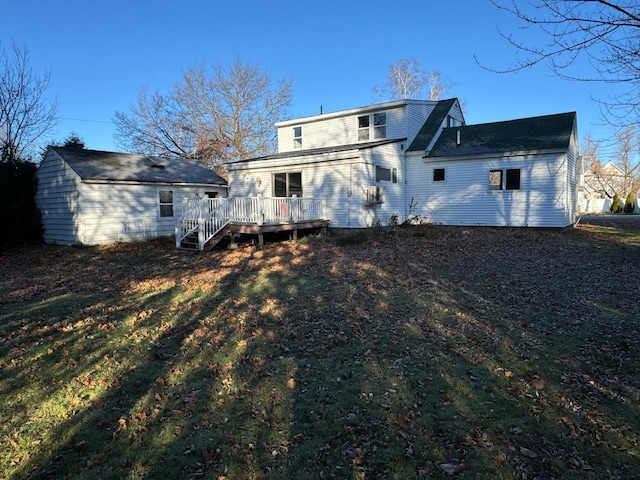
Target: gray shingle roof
{"x": 130, "y": 167}
{"x": 431, "y": 125}
{"x": 316, "y": 151}
{"x": 549, "y": 132}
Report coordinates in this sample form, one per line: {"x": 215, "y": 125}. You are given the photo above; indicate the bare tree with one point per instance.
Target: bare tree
{"x": 407, "y": 80}
{"x": 627, "y": 159}
{"x": 602, "y": 34}
{"x": 217, "y": 115}
{"x": 158, "y": 125}
{"x": 26, "y": 114}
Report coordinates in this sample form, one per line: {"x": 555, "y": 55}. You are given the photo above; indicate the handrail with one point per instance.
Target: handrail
{"x": 208, "y": 216}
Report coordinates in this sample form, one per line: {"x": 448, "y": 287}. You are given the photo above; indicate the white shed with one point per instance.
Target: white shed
{"x": 90, "y": 197}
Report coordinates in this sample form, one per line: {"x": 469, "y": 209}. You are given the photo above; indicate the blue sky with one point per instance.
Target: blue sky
{"x": 334, "y": 51}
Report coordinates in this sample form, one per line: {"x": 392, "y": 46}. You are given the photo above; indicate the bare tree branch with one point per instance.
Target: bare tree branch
{"x": 25, "y": 113}
{"x": 407, "y": 80}
{"x": 217, "y": 115}
{"x": 601, "y": 34}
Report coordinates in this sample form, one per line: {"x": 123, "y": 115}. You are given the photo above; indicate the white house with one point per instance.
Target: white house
{"x": 417, "y": 159}
{"x": 89, "y": 197}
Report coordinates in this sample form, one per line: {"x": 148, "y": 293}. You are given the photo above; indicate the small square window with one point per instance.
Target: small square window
{"x": 438, "y": 174}
{"x": 495, "y": 180}
{"x": 383, "y": 174}
{"x": 512, "y": 179}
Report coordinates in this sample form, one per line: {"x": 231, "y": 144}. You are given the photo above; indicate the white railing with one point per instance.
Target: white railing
{"x": 208, "y": 216}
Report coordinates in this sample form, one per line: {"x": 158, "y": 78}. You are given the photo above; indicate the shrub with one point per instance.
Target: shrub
{"x": 19, "y": 216}
{"x": 629, "y": 204}
{"x": 616, "y": 204}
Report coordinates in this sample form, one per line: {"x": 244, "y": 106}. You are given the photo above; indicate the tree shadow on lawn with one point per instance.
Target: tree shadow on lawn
{"x": 354, "y": 361}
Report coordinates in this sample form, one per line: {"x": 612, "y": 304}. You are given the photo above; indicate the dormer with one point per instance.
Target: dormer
{"x": 396, "y": 120}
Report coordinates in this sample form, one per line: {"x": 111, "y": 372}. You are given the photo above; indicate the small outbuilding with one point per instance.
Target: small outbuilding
{"x": 90, "y": 197}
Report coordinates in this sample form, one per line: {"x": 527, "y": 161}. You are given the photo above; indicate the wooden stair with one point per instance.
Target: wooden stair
{"x": 191, "y": 241}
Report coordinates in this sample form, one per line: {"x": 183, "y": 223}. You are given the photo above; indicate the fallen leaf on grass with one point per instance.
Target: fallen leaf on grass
{"x": 528, "y": 453}
{"x": 451, "y": 468}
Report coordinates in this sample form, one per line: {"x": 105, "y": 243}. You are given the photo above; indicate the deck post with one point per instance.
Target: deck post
{"x": 200, "y": 233}
{"x": 260, "y": 205}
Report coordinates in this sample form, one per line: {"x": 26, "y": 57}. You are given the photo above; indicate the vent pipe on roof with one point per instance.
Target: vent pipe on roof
{"x": 320, "y": 109}
{"x": 457, "y": 137}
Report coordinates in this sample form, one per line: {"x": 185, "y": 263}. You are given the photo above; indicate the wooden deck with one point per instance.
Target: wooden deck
{"x": 205, "y": 222}
{"x": 260, "y": 230}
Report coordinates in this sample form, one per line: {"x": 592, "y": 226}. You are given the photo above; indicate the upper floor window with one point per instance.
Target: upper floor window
{"x": 438, "y": 174}
{"x": 297, "y": 137}
{"x": 453, "y": 122}
{"x": 372, "y": 126}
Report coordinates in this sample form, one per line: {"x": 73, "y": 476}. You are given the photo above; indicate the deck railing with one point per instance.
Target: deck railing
{"x": 208, "y": 216}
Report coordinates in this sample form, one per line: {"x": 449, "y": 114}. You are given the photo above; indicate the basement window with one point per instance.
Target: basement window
{"x": 166, "y": 203}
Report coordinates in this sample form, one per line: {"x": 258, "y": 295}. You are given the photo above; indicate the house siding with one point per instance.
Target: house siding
{"x": 113, "y": 212}
{"x": 76, "y": 212}
{"x": 58, "y": 199}
{"x": 335, "y": 131}
{"x": 342, "y": 183}
{"x": 464, "y": 197}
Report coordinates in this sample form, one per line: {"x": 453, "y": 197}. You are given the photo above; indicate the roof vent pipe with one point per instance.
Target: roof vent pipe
{"x": 457, "y": 137}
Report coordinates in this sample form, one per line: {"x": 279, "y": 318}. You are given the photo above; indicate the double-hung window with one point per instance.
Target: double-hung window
{"x": 166, "y": 203}
{"x": 372, "y": 126}
{"x": 297, "y": 137}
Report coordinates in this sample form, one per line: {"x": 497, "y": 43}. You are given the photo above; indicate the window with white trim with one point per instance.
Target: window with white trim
{"x": 386, "y": 174}
{"x": 287, "y": 184}
{"x": 372, "y": 126}
{"x": 504, "y": 179}
{"x": 166, "y": 203}
{"x": 297, "y": 137}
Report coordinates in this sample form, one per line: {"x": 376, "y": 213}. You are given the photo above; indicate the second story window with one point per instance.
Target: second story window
{"x": 297, "y": 137}
{"x": 363, "y": 127}
{"x": 372, "y": 126}
{"x": 379, "y": 125}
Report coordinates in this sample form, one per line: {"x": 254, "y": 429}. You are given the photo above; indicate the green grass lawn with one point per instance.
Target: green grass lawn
{"x": 422, "y": 352}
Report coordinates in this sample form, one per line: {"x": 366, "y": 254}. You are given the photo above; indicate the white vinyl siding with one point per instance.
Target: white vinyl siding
{"x": 403, "y": 119}
{"x": 465, "y": 198}
{"x": 57, "y": 198}
{"x": 76, "y": 212}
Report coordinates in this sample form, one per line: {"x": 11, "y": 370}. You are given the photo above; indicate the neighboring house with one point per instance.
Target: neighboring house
{"x": 417, "y": 160}
{"x": 89, "y": 197}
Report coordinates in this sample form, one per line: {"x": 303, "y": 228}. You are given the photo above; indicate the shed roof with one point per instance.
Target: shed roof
{"x": 548, "y": 132}
{"x": 321, "y": 150}
{"x": 132, "y": 167}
